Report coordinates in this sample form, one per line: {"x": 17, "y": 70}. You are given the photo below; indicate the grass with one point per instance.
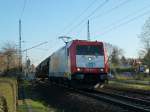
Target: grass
{"x": 138, "y": 76}
{"x": 8, "y": 90}
{"x": 129, "y": 86}
{"x": 142, "y": 76}
{"x": 36, "y": 105}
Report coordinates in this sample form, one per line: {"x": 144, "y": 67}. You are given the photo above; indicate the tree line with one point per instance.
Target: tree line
{"x": 145, "y": 41}
{"x": 9, "y": 58}
{"x": 116, "y": 54}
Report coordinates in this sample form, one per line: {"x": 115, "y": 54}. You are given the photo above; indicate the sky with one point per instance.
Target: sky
{"x": 118, "y": 22}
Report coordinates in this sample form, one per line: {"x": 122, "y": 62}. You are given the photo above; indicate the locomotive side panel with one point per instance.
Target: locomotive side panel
{"x": 58, "y": 64}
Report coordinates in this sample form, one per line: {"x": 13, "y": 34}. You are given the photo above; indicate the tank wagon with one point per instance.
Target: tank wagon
{"x": 80, "y": 63}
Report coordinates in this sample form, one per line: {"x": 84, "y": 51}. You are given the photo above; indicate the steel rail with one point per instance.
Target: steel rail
{"x": 136, "y": 100}
{"x": 117, "y": 101}
{"x": 135, "y": 91}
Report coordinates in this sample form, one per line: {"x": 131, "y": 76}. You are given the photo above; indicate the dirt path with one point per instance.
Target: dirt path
{"x": 23, "y": 100}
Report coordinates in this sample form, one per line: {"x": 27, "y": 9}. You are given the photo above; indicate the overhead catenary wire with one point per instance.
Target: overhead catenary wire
{"x": 36, "y": 46}
{"x": 111, "y": 9}
{"x": 124, "y": 23}
{"x": 85, "y": 19}
{"x": 108, "y": 11}
{"x": 81, "y": 14}
{"x": 126, "y": 17}
{"x": 105, "y": 13}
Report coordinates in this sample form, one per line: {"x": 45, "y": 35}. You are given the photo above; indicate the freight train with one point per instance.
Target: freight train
{"x": 79, "y": 63}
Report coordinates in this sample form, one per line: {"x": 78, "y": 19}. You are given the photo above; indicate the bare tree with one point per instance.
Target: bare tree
{"x": 109, "y": 49}
{"x": 123, "y": 60}
{"x": 114, "y": 53}
{"x": 8, "y": 57}
{"x": 145, "y": 40}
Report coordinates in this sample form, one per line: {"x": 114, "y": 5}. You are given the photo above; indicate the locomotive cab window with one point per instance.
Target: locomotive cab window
{"x": 89, "y": 50}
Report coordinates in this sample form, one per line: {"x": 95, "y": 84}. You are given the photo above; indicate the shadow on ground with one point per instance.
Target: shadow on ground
{"x": 64, "y": 100}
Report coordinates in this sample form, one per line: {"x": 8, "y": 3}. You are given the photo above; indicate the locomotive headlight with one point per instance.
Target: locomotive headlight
{"x": 90, "y": 58}
{"x": 102, "y": 70}
{"x": 78, "y": 69}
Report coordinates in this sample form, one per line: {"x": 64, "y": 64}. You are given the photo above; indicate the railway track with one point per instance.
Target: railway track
{"x": 132, "y": 91}
{"x": 145, "y": 95}
{"x": 127, "y": 103}
{"x": 130, "y": 103}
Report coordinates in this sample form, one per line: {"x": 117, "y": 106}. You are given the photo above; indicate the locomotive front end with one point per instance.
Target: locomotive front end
{"x": 90, "y": 62}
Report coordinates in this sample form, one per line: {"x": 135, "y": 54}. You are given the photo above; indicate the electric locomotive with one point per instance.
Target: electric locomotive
{"x": 79, "y": 63}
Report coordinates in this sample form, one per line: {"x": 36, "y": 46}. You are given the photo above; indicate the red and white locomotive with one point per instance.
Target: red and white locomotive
{"x": 80, "y": 63}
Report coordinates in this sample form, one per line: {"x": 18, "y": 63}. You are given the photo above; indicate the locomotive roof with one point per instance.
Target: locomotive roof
{"x": 86, "y": 41}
